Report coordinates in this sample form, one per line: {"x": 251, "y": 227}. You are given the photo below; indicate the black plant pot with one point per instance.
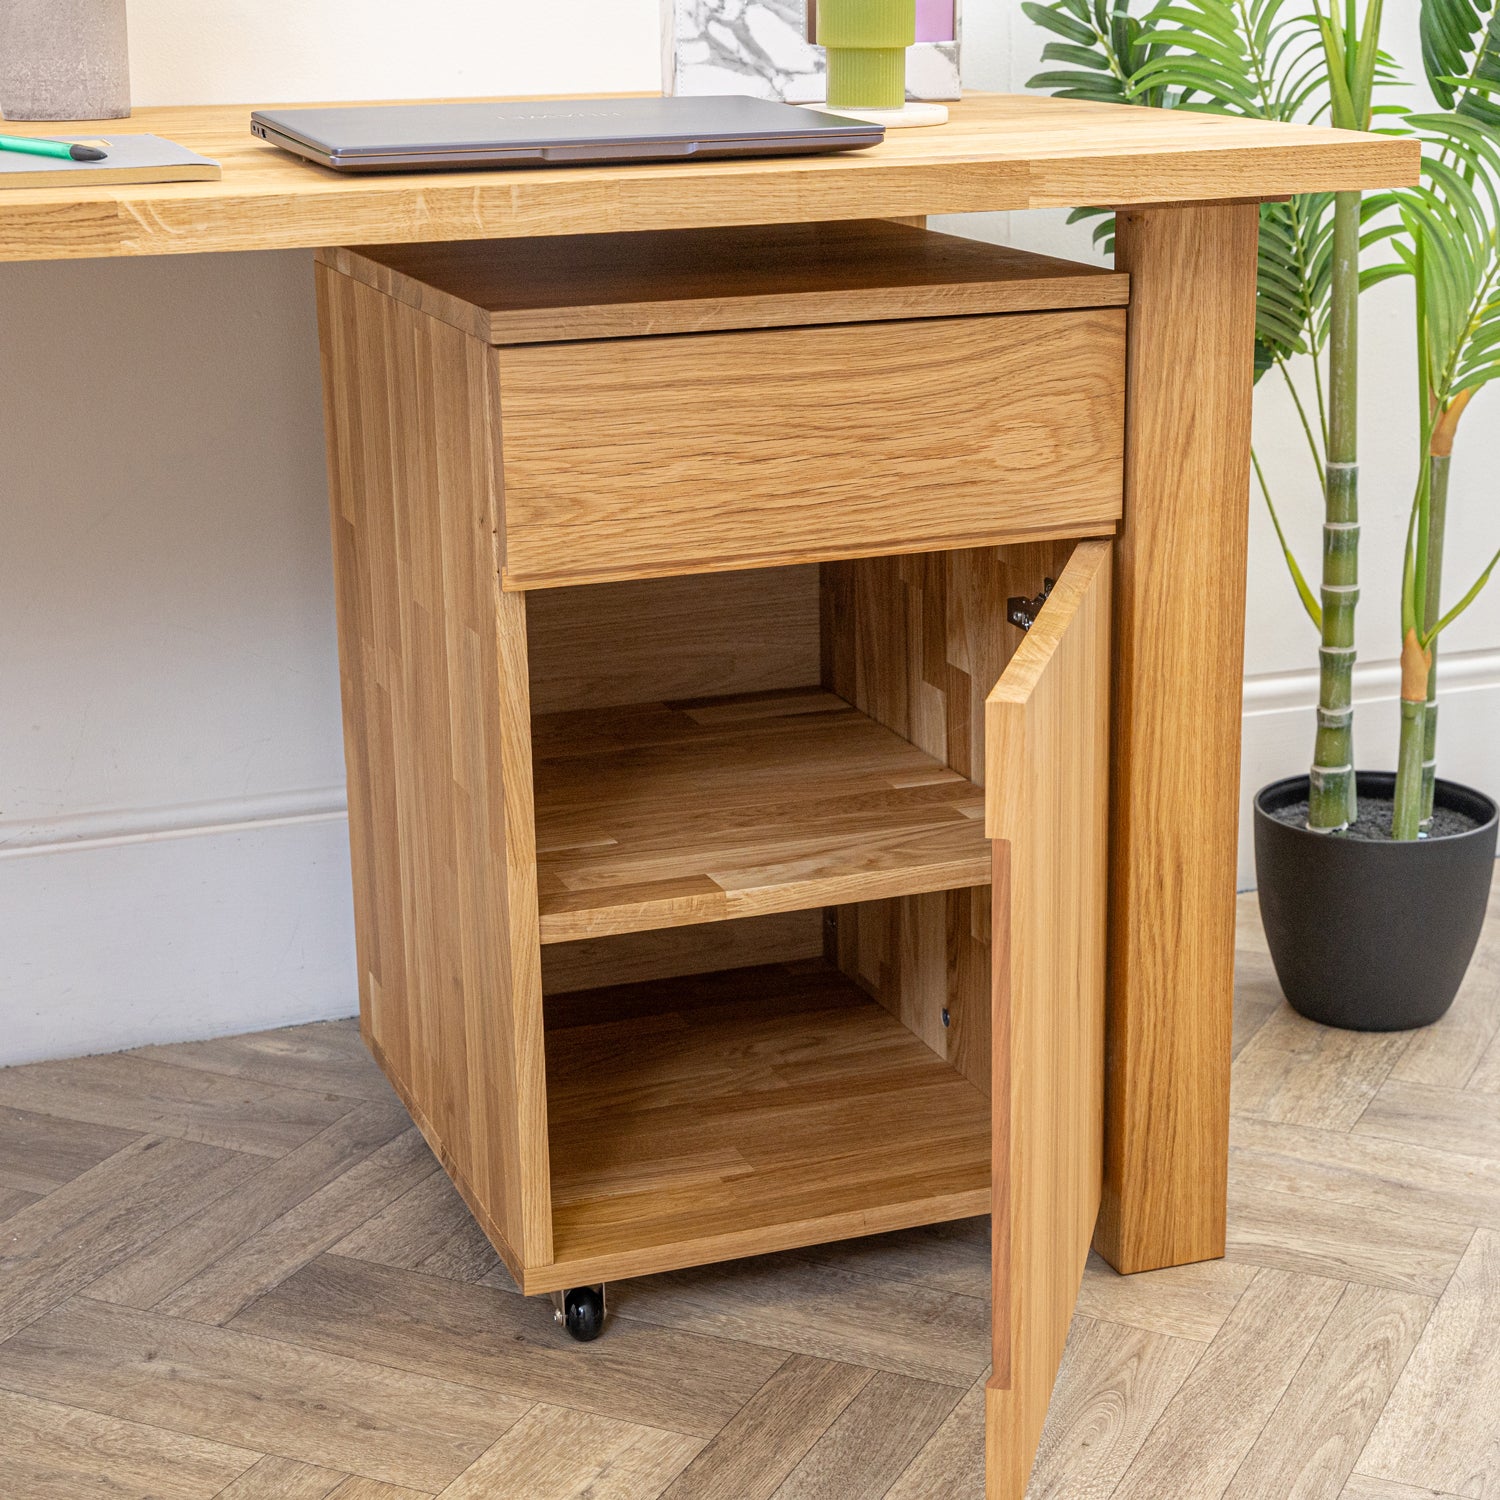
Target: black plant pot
{"x": 1372, "y": 936}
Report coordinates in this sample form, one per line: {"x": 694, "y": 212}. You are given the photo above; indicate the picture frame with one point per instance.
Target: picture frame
{"x": 766, "y": 48}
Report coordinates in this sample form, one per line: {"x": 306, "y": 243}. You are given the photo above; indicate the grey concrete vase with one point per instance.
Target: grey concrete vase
{"x": 63, "y": 60}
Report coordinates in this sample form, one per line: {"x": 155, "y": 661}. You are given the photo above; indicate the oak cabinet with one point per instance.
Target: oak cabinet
{"x": 729, "y": 862}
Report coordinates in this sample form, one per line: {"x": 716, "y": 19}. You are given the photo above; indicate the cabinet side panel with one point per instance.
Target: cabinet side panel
{"x": 917, "y": 642}
{"x": 436, "y": 727}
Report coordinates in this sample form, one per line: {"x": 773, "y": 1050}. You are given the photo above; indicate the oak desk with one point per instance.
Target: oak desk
{"x": 477, "y": 624}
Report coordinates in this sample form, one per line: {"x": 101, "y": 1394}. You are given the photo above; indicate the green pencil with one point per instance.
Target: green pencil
{"x": 34, "y": 145}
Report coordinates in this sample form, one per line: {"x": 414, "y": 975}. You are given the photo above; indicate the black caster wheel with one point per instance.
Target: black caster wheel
{"x": 583, "y": 1312}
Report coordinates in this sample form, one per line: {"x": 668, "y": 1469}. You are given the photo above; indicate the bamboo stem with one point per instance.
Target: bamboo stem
{"x": 1438, "y": 466}
{"x": 1416, "y": 669}
{"x": 1331, "y": 788}
{"x": 1406, "y": 822}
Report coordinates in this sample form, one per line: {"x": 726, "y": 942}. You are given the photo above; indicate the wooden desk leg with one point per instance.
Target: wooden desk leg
{"x": 1178, "y": 653}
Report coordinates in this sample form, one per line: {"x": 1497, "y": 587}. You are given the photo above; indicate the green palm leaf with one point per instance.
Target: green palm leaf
{"x": 1461, "y": 54}
{"x": 1449, "y": 246}
{"x": 1449, "y": 243}
{"x": 1098, "y": 40}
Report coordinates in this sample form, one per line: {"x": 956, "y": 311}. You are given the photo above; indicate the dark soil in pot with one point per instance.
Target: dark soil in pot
{"x": 1375, "y": 815}
{"x": 1367, "y": 933}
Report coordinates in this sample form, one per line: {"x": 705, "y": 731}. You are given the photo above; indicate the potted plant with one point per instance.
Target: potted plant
{"x": 1373, "y": 887}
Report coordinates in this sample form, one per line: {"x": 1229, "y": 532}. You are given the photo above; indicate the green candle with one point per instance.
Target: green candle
{"x": 867, "y": 42}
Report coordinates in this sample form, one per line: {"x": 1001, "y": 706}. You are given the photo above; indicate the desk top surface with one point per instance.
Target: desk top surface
{"x": 998, "y": 151}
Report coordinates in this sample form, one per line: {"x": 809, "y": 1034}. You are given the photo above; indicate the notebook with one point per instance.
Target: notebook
{"x": 132, "y": 158}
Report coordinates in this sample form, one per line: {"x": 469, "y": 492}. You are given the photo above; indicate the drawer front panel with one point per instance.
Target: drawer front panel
{"x": 630, "y": 458}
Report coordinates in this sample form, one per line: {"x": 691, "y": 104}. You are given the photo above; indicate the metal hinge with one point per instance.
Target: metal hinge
{"x": 1022, "y": 612}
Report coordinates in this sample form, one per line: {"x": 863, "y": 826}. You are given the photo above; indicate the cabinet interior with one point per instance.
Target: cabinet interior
{"x": 763, "y": 890}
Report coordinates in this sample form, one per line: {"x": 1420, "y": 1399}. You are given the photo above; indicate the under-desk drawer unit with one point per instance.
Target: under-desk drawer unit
{"x": 828, "y": 391}
{"x": 724, "y": 909}
{"x": 642, "y": 456}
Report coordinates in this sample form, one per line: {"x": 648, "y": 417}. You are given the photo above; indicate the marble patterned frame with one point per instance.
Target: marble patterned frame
{"x": 761, "y": 47}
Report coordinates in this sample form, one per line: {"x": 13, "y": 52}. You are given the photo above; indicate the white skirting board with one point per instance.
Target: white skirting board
{"x": 1278, "y": 729}
{"x": 174, "y": 935}
{"x": 118, "y": 930}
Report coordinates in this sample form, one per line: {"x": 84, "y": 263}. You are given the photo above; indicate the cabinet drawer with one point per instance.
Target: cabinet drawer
{"x": 639, "y": 457}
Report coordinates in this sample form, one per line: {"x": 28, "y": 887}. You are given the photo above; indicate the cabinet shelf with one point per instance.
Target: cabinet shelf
{"x": 661, "y": 815}
{"x": 743, "y": 1112}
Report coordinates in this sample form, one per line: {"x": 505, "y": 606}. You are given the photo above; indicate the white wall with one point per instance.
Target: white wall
{"x": 173, "y": 851}
{"x": 172, "y": 844}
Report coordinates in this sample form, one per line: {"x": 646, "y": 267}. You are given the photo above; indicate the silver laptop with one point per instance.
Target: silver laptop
{"x": 408, "y": 137}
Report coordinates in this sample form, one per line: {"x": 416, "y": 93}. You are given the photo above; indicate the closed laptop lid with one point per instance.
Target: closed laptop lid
{"x": 351, "y": 131}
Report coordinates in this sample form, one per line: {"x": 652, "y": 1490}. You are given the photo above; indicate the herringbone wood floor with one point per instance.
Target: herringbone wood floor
{"x": 232, "y": 1269}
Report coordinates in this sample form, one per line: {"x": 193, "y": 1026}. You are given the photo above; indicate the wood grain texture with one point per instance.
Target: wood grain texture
{"x": 357, "y": 1487}
{"x": 1485, "y": 1078}
{"x": 952, "y": 1462}
{"x": 917, "y": 642}
{"x": 321, "y": 1219}
{"x": 420, "y": 1224}
{"x": 689, "y": 1349}
{"x": 257, "y": 1394}
{"x": 1422, "y": 1115}
{"x": 1185, "y": 1302}
{"x": 761, "y": 1446}
{"x": 1296, "y": 1072}
{"x": 663, "y": 814}
{"x": 951, "y": 1257}
{"x": 1302, "y": 1232}
{"x": 1362, "y": 1487}
{"x": 316, "y": 1058}
{"x": 1046, "y": 796}
{"x": 1393, "y": 1181}
{"x": 1231, "y": 1392}
{"x": 1319, "y": 1428}
{"x": 611, "y": 644}
{"x": 1113, "y": 1386}
{"x": 590, "y": 286}
{"x": 283, "y": 1479}
{"x": 13, "y": 1200}
{"x": 144, "y": 1097}
{"x": 640, "y": 457}
{"x": 433, "y": 667}
{"x": 56, "y": 1452}
{"x": 39, "y": 1152}
{"x": 264, "y": 1199}
{"x": 102, "y": 1217}
{"x": 556, "y": 1454}
{"x": 1178, "y": 651}
{"x": 498, "y": 1342}
{"x": 670, "y": 952}
{"x": 1441, "y": 1427}
{"x": 869, "y": 1444}
{"x": 744, "y": 1112}
{"x": 996, "y": 152}
{"x": 926, "y": 959}
{"x": 824, "y": 1304}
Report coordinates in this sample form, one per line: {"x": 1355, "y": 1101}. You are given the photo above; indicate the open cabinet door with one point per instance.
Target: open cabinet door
{"x": 1046, "y": 791}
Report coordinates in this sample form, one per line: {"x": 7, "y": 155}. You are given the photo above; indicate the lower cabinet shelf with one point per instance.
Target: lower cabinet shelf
{"x": 657, "y": 815}
{"x": 742, "y": 1112}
